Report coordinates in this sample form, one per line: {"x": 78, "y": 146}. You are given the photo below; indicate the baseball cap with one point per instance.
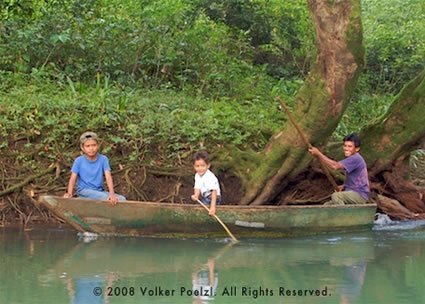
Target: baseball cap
{"x": 88, "y": 135}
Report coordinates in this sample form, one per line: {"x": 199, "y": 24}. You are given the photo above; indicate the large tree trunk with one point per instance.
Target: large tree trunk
{"x": 399, "y": 131}
{"x": 320, "y": 102}
{"x": 387, "y": 144}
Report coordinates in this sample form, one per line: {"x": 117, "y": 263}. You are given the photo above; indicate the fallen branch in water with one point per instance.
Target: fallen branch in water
{"x": 394, "y": 209}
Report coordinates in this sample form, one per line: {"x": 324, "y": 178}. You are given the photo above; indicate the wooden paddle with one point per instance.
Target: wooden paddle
{"x": 218, "y": 220}
{"x": 309, "y": 145}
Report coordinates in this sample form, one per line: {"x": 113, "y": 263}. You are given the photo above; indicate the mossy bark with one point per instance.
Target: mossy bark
{"x": 320, "y": 102}
{"x": 387, "y": 143}
{"x": 399, "y": 131}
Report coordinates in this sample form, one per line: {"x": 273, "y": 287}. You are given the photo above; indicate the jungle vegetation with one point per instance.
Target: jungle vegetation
{"x": 159, "y": 80}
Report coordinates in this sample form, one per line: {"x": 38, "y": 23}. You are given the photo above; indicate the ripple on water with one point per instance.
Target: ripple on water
{"x": 384, "y": 223}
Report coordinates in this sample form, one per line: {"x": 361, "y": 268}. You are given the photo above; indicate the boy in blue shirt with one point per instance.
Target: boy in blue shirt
{"x": 88, "y": 171}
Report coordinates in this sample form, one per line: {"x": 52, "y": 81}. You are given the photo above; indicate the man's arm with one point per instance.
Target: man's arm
{"x": 326, "y": 160}
{"x": 71, "y": 185}
{"x": 109, "y": 182}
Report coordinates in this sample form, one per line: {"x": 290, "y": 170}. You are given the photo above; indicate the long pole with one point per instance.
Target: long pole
{"x": 308, "y": 144}
{"x": 218, "y": 220}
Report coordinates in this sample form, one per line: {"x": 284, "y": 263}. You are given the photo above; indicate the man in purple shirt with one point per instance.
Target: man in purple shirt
{"x": 356, "y": 186}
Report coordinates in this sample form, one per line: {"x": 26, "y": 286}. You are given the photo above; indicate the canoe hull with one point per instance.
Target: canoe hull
{"x": 185, "y": 220}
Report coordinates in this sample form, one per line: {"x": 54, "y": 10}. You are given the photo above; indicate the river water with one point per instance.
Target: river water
{"x": 385, "y": 265}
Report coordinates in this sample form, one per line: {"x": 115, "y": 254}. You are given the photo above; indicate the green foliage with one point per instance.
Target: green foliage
{"x": 44, "y": 119}
{"x": 281, "y": 32}
{"x": 160, "y": 44}
{"x": 211, "y": 47}
{"x": 394, "y": 36}
{"x": 225, "y": 60}
{"x": 364, "y": 110}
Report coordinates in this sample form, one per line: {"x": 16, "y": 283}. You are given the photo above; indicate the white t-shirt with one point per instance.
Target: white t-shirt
{"x": 206, "y": 183}
{"x": 201, "y": 284}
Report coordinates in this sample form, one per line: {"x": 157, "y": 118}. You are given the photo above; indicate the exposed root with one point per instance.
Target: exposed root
{"x": 14, "y": 206}
{"x": 176, "y": 191}
{"x": 27, "y": 180}
{"x": 140, "y": 194}
{"x": 26, "y": 219}
{"x": 310, "y": 188}
{"x": 302, "y": 198}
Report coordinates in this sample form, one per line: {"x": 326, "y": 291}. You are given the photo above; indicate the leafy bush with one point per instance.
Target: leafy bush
{"x": 363, "y": 110}
{"x": 160, "y": 44}
{"x": 44, "y": 120}
{"x": 394, "y": 36}
{"x": 225, "y": 60}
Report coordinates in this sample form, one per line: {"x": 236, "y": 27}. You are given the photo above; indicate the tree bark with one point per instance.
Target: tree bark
{"x": 319, "y": 103}
{"x": 387, "y": 144}
{"x": 400, "y": 131}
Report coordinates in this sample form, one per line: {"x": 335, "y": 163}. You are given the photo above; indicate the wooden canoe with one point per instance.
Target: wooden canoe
{"x": 133, "y": 218}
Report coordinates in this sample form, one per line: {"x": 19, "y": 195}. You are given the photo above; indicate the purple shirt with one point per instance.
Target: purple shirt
{"x": 356, "y": 178}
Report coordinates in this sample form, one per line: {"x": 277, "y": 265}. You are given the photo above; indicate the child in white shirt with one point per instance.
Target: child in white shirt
{"x": 207, "y": 187}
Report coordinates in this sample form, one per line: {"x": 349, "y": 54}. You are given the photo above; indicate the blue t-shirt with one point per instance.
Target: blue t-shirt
{"x": 90, "y": 172}
{"x": 356, "y": 178}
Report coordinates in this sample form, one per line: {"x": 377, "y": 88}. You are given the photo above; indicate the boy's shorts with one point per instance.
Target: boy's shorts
{"x": 207, "y": 200}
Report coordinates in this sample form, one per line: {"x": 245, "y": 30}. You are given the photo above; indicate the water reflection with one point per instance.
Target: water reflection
{"x": 359, "y": 268}
{"x": 84, "y": 287}
{"x": 352, "y": 282}
{"x": 82, "y": 290}
{"x": 189, "y": 269}
{"x": 205, "y": 278}
{"x": 205, "y": 282}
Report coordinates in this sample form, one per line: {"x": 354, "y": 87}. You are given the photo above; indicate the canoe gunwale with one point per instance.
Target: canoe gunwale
{"x": 224, "y": 207}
